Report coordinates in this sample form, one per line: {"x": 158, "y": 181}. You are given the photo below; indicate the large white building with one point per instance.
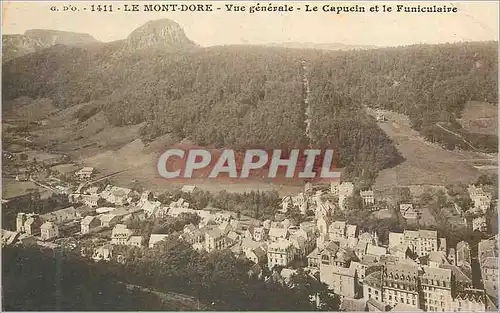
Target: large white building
{"x": 421, "y": 241}
{"x": 280, "y": 253}
{"x": 346, "y": 189}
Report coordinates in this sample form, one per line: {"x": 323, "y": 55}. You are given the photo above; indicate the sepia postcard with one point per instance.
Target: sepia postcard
{"x": 250, "y": 156}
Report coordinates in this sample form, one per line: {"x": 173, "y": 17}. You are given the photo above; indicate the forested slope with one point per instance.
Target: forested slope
{"x": 429, "y": 83}
{"x": 244, "y": 96}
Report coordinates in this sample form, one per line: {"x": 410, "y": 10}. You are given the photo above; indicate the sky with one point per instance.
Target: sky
{"x": 475, "y": 21}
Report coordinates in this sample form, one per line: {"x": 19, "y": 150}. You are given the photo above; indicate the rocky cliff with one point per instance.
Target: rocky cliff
{"x": 33, "y": 40}
{"x": 163, "y": 33}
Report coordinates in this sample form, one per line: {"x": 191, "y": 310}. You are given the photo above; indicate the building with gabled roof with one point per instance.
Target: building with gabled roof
{"x": 49, "y": 230}
{"x": 120, "y": 234}
{"x": 188, "y": 188}
{"x": 340, "y": 280}
{"x": 62, "y": 216}
{"x": 276, "y": 233}
{"x": 488, "y": 261}
{"x": 463, "y": 255}
{"x": 9, "y": 237}
{"x": 85, "y": 173}
{"x": 109, "y": 220}
{"x": 346, "y": 189}
{"x": 408, "y": 211}
{"x": 436, "y": 284}
{"x": 104, "y": 253}
{"x": 401, "y": 284}
{"x": 135, "y": 241}
{"x": 89, "y": 223}
{"x": 216, "y": 239}
{"x": 337, "y": 230}
{"x": 280, "y": 253}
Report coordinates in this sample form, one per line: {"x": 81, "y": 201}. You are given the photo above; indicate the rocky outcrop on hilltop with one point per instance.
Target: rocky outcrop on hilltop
{"x": 163, "y": 33}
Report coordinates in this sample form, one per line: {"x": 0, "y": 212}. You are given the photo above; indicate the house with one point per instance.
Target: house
{"x": 103, "y": 253}
{"x": 452, "y": 256}
{"x": 49, "y": 230}
{"x": 323, "y": 224}
{"x": 135, "y": 241}
{"x": 62, "y": 216}
{"x": 313, "y": 258}
{"x": 351, "y": 231}
{"x": 146, "y": 196}
{"x": 257, "y": 255}
{"x": 126, "y": 213}
{"x": 436, "y": 259}
{"x": 373, "y": 287}
{"x": 421, "y": 242}
{"x": 436, "y": 284}
{"x": 376, "y": 251}
{"x": 341, "y": 280}
{"x": 32, "y": 225}
{"x": 463, "y": 258}
{"x": 9, "y": 237}
{"x": 276, "y": 233}
{"x": 360, "y": 249}
{"x": 215, "y": 239}
{"x": 488, "y": 262}
{"x": 222, "y": 217}
{"x": 225, "y": 227}
{"x": 85, "y": 173}
{"x": 334, "y": 187}
{"x": 256, "y": 233}
{"x": 299, "y": 244}
{"x": 21, "y": 219}
{"x": 188, "y": 188}
{"x": 352, "y": 305}
{"x": 84, "y": 210}
{"x": 443, "y": 245}
{"x": 255, "y": 270}
{"x": 156, "y": 238}
{"x": 337, "y": 230}
{"x": 117, "y": 195}
{"x": 481, "y": 199}
{"x": 368, "y": 196}
{"x": 189, "y": 229}
{"x": 400, "y": 284}
{"x": 408, "y": 211}
{"x": 120, "y": 234}
{"x": 280, "y": 253}
{"x": 479, "y": 223}
{"x": 150, "y": 208}
{"x": 346, "y": 189}
{"x": 400, "y": 251}
{"x": 333, "y": 254}
{"x": 401, "y": 307}
{"x": 104, "y": 210}
{"x": 92, "y": 200}
{"x": 109, "y": 220}
{"x": 89, "y": 223}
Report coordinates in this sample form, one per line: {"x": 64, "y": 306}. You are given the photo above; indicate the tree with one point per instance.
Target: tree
{"x": 353, "y": 203}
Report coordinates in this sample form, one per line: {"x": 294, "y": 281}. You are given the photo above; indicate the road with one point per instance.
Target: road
{"x": 180, "y": 301}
